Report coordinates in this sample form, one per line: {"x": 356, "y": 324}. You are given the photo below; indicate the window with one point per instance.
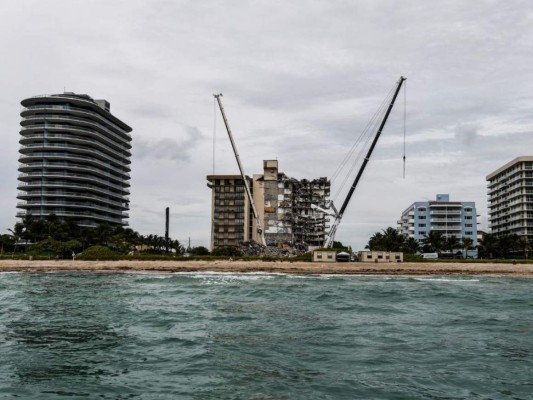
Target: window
{"x": 422, "y": 225}
{"x": 422, "y": 209}
{"x": 468, "y": 225}
{"x": 468, "y": 217}
{"x": 319, "y": 255}
{"x": 421, "y": 217}
{"x": 468, "y": 233}
{"x": 422, "y": 233}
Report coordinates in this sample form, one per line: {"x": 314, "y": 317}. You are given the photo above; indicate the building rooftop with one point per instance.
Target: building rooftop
{"x": 509, "y": 164}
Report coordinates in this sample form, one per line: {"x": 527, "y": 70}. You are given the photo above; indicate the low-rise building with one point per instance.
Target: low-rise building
{"x": 324, "y": 256}
{"x": 380, "y": 256}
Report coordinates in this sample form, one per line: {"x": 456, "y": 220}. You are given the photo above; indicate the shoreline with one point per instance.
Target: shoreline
{"x": 303, "y": 268}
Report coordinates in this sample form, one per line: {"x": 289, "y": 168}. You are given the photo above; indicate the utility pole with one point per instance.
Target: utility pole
{"x": 167, "y": 214}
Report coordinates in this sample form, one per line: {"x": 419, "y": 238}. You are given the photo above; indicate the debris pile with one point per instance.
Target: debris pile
{"x": 254, "y": 249}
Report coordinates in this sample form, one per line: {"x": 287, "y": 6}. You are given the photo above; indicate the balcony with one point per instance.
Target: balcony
{"x": 31, "y": 110}
{"x": 76, "y": 122}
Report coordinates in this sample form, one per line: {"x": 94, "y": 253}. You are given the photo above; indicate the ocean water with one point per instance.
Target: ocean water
{"x": 264, "y": 336}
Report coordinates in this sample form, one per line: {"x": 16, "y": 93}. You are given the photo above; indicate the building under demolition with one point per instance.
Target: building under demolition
{"x": 283, "y": 206}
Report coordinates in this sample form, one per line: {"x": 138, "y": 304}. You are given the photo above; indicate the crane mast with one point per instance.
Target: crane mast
{"x": 246, "y": 185}
{"x": 338, "y": 216}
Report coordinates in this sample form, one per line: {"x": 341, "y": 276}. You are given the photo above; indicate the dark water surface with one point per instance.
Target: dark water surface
{"x": 260, "y": 336}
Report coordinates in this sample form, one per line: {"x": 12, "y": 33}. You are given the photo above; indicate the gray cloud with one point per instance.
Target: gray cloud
{"x": 175, "y": 150}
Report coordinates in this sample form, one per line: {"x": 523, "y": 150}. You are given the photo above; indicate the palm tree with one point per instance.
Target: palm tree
{"x": 451, "y": 243}
{"x": 375, "y": 241}
{"x": 488, "y": 246}
{"x": 524, "y": 245}
{"x": 435, "y": 241}
{"x": 411, "y": 245}
{"x": 388, "y": 240}
{"x": 467, "y": 245}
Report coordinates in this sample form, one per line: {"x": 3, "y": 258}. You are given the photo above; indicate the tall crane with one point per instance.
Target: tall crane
{"x": 259, "y": 226}
{"x": 338, "y": 215}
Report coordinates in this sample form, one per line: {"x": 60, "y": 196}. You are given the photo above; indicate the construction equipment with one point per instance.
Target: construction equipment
{"x": 338, "y": 215}
{"x": 258, "y": 223}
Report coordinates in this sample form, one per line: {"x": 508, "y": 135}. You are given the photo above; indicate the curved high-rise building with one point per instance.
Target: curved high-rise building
{"x": 74, "y": 160}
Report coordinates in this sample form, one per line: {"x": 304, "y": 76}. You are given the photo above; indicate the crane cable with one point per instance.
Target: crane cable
{"x": 365, "y": 131}
{"x": 214, "y": 131}
{"x": 365, "y": 137}
{"x": 404, "y": 122}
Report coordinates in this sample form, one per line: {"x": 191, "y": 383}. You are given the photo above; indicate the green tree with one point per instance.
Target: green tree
{"x": 339, "y": 246}
{"x": 452, "y": 243}
{"x": 411, "y": 245}
{"x": 387, "y": 240}
{"x": 435, "y": 241}
{"x": 375, "y": 242}
{"x": 467, "y": 244}
{"x": 7, "y": 243}
{"x": 524, "y": 245}
{"x": 228, "y": 251}
{"x": 488, "y": 246}
{"x": 199, "y": 251}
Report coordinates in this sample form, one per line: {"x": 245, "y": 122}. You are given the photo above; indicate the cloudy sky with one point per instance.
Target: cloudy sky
{"x": 300, "y": 79}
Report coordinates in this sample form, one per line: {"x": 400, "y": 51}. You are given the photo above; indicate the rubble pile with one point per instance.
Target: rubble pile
{"x": 254, "y": 249}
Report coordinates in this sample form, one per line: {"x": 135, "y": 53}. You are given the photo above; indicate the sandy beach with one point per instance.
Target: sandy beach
{"x": 437, "y": 268}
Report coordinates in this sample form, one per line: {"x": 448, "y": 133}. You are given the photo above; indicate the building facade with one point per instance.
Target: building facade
{"x": 283, "y": 205}
{"x": 230, "y": 210}
{"x": 74, "y": 160}
{"x": 510, "y": 198}
{"x": 451, "y": 218}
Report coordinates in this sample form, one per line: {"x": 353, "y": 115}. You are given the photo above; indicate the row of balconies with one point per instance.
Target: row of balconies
{"x": 85, "y": 144}
{"x": 37, "y": 204}
{"x": 48, "y": 179}
{"x": 55, "y": 193}
{"x": 31, "y": 110}
{"x": 70, "y": 185}
{"x": 76, "y": 122}
{"x": 51, "y": 157}
{"x": 60, "y": 213}
{"x": 114, "y": 182}
{"x": 33, "y": 152}
{"x": 38, "y": 166}
{"x": 449, "y": 212}
{"x": 92, "y": 140}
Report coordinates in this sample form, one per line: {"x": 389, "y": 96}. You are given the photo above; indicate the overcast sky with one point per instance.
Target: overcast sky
{"x": 300, "y": 79}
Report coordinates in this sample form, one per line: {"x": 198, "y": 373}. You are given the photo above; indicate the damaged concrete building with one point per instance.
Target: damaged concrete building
{"x": 283, "y": 205}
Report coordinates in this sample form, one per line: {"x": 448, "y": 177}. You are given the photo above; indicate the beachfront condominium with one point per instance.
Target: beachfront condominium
{"x": 450, "y": 218}
{"x": 230, "y": 210}
{"x": 74, "y": 160}
{"x": 510, "y": 198}
{"x": 283, "y": 206}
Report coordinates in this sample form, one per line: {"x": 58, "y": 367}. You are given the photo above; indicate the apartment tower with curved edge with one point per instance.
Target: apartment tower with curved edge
{"x": 74, "y": 160}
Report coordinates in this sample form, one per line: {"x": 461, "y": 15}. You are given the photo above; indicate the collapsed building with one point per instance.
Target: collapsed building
{"x": 283, "y": 204}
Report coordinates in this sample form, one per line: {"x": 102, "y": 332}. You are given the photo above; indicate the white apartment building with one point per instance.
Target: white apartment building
{"x": 510, "y": 198}
{"x": 451, "y": 218}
